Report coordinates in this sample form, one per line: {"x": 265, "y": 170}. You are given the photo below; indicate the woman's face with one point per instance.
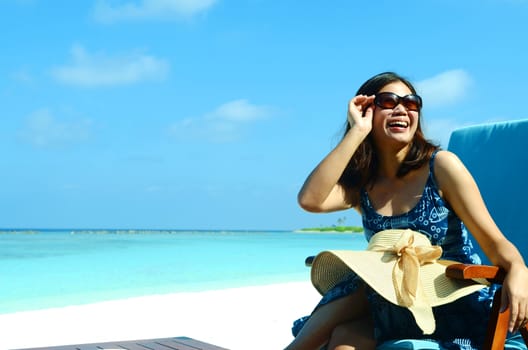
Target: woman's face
{"x": 394, "y": 125}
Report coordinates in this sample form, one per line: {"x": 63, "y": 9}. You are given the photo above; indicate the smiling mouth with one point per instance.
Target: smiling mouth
{"x": 398, "y": 124}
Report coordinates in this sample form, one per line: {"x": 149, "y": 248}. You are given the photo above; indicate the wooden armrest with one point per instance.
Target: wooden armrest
{"x": 494, "y": 274}
{"x": 309, "y": 260}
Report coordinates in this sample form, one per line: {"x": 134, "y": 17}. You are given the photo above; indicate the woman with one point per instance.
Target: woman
{"x": 385, "y": 169}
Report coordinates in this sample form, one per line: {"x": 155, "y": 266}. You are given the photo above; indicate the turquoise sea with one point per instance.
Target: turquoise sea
{"x": 54, "y": 268}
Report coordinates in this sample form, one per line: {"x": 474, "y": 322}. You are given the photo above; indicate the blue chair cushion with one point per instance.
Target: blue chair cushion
{"x": 496, "y": 156}
{"x": 410, "y": 344}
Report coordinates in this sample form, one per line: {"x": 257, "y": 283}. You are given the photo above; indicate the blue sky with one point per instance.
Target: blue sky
{"x": 209, "y": 114}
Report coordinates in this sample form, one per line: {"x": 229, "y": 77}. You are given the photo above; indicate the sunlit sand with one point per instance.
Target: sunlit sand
{"x": 255, "y": 318}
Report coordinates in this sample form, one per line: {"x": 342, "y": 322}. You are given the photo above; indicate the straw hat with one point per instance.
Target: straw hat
{"x": 400, "y": 265}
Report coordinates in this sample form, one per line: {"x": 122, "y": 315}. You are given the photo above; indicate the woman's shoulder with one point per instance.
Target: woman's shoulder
{"x": 449, "y": 171}
{"x": 446, "y": 161}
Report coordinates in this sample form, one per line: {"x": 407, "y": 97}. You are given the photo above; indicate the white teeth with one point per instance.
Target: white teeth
{"x": 400, "y": 124}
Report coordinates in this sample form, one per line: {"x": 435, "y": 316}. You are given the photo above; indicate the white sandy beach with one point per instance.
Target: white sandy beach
{"x": 255, "y": 318}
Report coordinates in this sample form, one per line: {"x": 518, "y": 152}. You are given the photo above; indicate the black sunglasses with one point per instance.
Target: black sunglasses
{"x": 389, "y": 100}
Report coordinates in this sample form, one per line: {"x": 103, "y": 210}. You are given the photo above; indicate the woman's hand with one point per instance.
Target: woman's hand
{"x": 515, "y": 294}
{"x": 360, "y": 112}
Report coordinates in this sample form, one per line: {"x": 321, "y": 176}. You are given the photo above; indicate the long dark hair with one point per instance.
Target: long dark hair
{"x": 362, "y": 169}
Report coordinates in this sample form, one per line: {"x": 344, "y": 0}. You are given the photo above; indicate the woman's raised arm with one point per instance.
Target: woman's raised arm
{"x": 321, "y": 192}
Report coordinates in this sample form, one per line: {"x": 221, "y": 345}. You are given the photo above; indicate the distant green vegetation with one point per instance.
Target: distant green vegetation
{"x": 338, "y": 227}
{"x": 353, "y": 229}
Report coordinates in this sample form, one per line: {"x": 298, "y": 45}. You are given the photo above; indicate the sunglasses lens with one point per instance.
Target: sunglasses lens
{"x": 387, "y": 100}
{"x": 412, "y": 102}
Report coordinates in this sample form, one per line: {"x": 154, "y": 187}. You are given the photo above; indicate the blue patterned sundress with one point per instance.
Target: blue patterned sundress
{"x": 459, "y": 325}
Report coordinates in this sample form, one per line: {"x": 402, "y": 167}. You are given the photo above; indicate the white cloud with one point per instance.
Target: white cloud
{"x": 43, "y": 130}
{"x": 444, "y": 88}
{"x": 149, "y": 9}
{"x": 238, "y": 111}
{"x": 224, "y": 124}
{"x": 98, "y": 69}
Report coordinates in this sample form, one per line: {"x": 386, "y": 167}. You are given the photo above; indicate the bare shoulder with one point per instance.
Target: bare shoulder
{"x": 447, "y": 162}
{"x": 451, "y": 174}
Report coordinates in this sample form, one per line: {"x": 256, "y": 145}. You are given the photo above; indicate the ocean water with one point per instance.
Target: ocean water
{"x": 49, "y": 268}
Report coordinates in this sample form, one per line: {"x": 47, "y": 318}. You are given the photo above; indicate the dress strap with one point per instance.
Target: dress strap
{"x": 431, "y": 169}
{"x": 431, "y": 161}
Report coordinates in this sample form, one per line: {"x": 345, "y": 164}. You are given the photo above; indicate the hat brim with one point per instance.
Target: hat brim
{"x": 375, "y": 269}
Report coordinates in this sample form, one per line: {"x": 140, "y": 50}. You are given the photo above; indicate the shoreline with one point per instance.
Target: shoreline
{"x": 332, "y": 229}
{"x": 327, "y": 231}
{"x": 256, "y": 317}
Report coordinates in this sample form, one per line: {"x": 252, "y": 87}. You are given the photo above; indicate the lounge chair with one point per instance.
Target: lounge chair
{"x": 496, "y": 156}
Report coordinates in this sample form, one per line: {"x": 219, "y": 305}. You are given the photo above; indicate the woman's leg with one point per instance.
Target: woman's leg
{"x": 353, "y": 335}
{"x": 318, "y": 329}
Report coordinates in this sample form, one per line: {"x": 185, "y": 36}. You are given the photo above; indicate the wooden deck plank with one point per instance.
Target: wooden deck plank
{"x": 176, "y": 343}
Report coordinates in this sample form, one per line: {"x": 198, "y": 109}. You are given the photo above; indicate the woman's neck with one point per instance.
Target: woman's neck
{"x": 390, "y": 161}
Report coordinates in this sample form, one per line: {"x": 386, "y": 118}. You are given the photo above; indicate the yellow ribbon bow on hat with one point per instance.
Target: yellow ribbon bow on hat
{"x": 406, "y": 276}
